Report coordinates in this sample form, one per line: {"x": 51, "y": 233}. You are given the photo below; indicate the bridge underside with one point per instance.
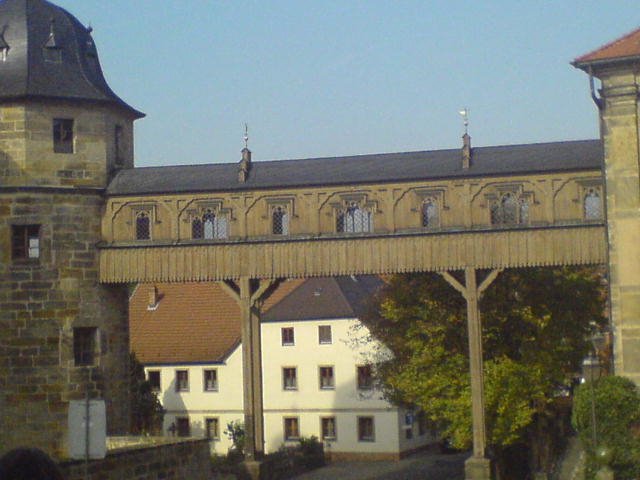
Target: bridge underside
{"x": 527, "y": 247}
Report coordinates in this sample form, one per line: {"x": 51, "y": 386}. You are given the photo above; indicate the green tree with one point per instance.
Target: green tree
{"x": 146, "y": 410}
{"x": 536, "y": 325}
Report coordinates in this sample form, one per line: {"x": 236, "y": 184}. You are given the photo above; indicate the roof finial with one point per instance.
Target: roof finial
{"x": 465, "y": 118}
{"x": 246, "y": 136}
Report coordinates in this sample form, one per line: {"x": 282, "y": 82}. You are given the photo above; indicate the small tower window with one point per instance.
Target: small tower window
{"x": 117, "y": 145}
{"x": 63, "y": 135}
{"x": 592, "y": 205}
{"x": 279, "y": 221}
{"x": 25, "y": 242}
{"x": 85, "y": 346}
{"x": 143, "y": 226}
{"x": 430, "y": 217}
{"x": 354, "y": 219}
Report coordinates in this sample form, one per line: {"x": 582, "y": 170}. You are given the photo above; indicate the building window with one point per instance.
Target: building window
{"x": 279, "y": 221}
{"x": 354, "y": 219}
{"x": 182, "y": 426}
{"x": 25, "y": 242}
{"x": 211, "y": 380}
{"x": 63, "y": 135}
{"x": 509, "y": 210}
{"x": 324, "y": 334}
{"x": 327, "y": 380}
{"x": 365, "y": 377}
{"x": 182, "y": 380}
{"x": 328, "y": 428}
{"x": 366, "y": 432}
{"x": 153, "y": 376}
{"x": 210, "y": 226}
{"x": 143, "y": 226}
{"x": 592, "y": 205}
{"x": 291, "y": 428}
{"x": 430, "y": 217}
{"x": 117, "y": 144}
{"x": 422, "y": 423}
{"x": 212, "y": 428}
{"x": 289, "y": 378}
{"x": 287, "y": 336}
{"x": 84, "y": 346}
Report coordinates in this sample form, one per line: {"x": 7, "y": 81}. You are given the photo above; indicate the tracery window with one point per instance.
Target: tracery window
{"x": 210, "y": 226}
{"x": 143, "y": 226}
{"x": 508, "y": 209}
{"x": 354, "y": 219}
{"x": 592, "y": 205}
{"x": 430, "y": 213}
{"x": 279, "y": 220}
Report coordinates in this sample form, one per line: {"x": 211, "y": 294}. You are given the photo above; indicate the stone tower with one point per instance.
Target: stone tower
{"x": 63, "y": 133}
{"x": 617, "y": 65}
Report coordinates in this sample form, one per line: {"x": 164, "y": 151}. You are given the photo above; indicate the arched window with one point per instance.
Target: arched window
{"x": 143, "y": 226}
{"x": 430, "y": 217}
{"x": 509, "y": 210}
{"x": 279, "y": 221}
{"x": 210, "y": 226}
{"x": 354, "y": 219}
{"x": 592, "y": 205}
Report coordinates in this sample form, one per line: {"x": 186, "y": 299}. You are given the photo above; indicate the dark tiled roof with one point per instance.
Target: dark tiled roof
{"x": 627, "y": 46}
{"x": 28, "y": 26}
{"x": 362, "y": 169}
{"x": 325, "y": 298}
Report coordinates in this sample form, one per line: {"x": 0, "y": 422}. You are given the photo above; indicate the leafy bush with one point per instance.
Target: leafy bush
{"x": 616, "y": 402}
{"x": 235, "y": 433}
{"x": 288, "y": 462}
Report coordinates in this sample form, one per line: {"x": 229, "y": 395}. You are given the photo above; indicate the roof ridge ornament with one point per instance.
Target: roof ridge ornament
{"x": 466, "y": 140}
{"x": 245, "y": 162}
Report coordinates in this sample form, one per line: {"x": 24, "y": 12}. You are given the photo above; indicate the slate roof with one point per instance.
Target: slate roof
{"x": 200, "y": 322}
{"x": 625, "y": 47}
{"x": 362, "y": 169}
{"x": 27, "y": 27}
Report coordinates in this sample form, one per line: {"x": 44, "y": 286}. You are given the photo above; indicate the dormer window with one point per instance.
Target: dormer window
{"x": 51, "y": 51}
{"x": 63, "y": 135}
{"x": 4, "y": 46}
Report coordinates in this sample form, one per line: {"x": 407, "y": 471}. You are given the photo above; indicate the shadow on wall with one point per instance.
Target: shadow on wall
{"x": 175, "y": 410}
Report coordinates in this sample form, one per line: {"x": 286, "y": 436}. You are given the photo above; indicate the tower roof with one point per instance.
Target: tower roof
{"x": 49, "y": 54}
{"x": 626, "y": 47}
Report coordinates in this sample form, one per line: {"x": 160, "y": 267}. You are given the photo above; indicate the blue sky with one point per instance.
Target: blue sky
{"x": 324, "y": 78}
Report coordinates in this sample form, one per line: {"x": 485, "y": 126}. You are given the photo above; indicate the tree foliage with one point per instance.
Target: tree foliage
{"x": 536, "y": 325}
{"x": 146, "y": 410}
{"x": 615, "y": 404}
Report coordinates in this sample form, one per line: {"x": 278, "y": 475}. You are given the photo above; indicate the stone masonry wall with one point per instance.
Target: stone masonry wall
{"x": 40, "y": 303}
{"x": 186, "y": 460}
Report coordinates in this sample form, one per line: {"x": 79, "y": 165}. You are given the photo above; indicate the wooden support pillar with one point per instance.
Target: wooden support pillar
{"x": 477, "y": 466}
{"x": 249, "y": 295}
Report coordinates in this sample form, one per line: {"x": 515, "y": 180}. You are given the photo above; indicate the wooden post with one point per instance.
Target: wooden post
{"x": 249, "y": 295}
{"x": 477, "y": 467}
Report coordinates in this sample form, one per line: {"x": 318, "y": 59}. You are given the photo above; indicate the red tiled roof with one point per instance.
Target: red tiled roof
{"x": 626, "y": 46}
{"x": 193, "y": 322}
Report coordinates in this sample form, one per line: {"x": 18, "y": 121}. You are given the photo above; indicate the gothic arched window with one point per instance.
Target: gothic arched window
{"x": 430, "y": 217}
{"x": 279, "y": 221}
{"x": 354, "y": 219}
{"x": 143, "y": 226}
{"x": 592, "y": 205}
{"x": 509, "y": 210}
{"x": 210, "y": 226}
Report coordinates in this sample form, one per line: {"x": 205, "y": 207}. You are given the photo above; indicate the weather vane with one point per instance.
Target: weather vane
{"x": 465, "y": 118}
{"x": 246, "y": 136}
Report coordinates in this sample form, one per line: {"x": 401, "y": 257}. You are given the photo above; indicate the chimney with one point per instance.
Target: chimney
{"x": 153, "y": 298}
{"x": 244, "y": 166}
{"x": 466, "y": 151}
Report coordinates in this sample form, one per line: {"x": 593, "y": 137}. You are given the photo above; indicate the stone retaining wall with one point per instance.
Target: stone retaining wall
{"x": 180, "y": 460}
